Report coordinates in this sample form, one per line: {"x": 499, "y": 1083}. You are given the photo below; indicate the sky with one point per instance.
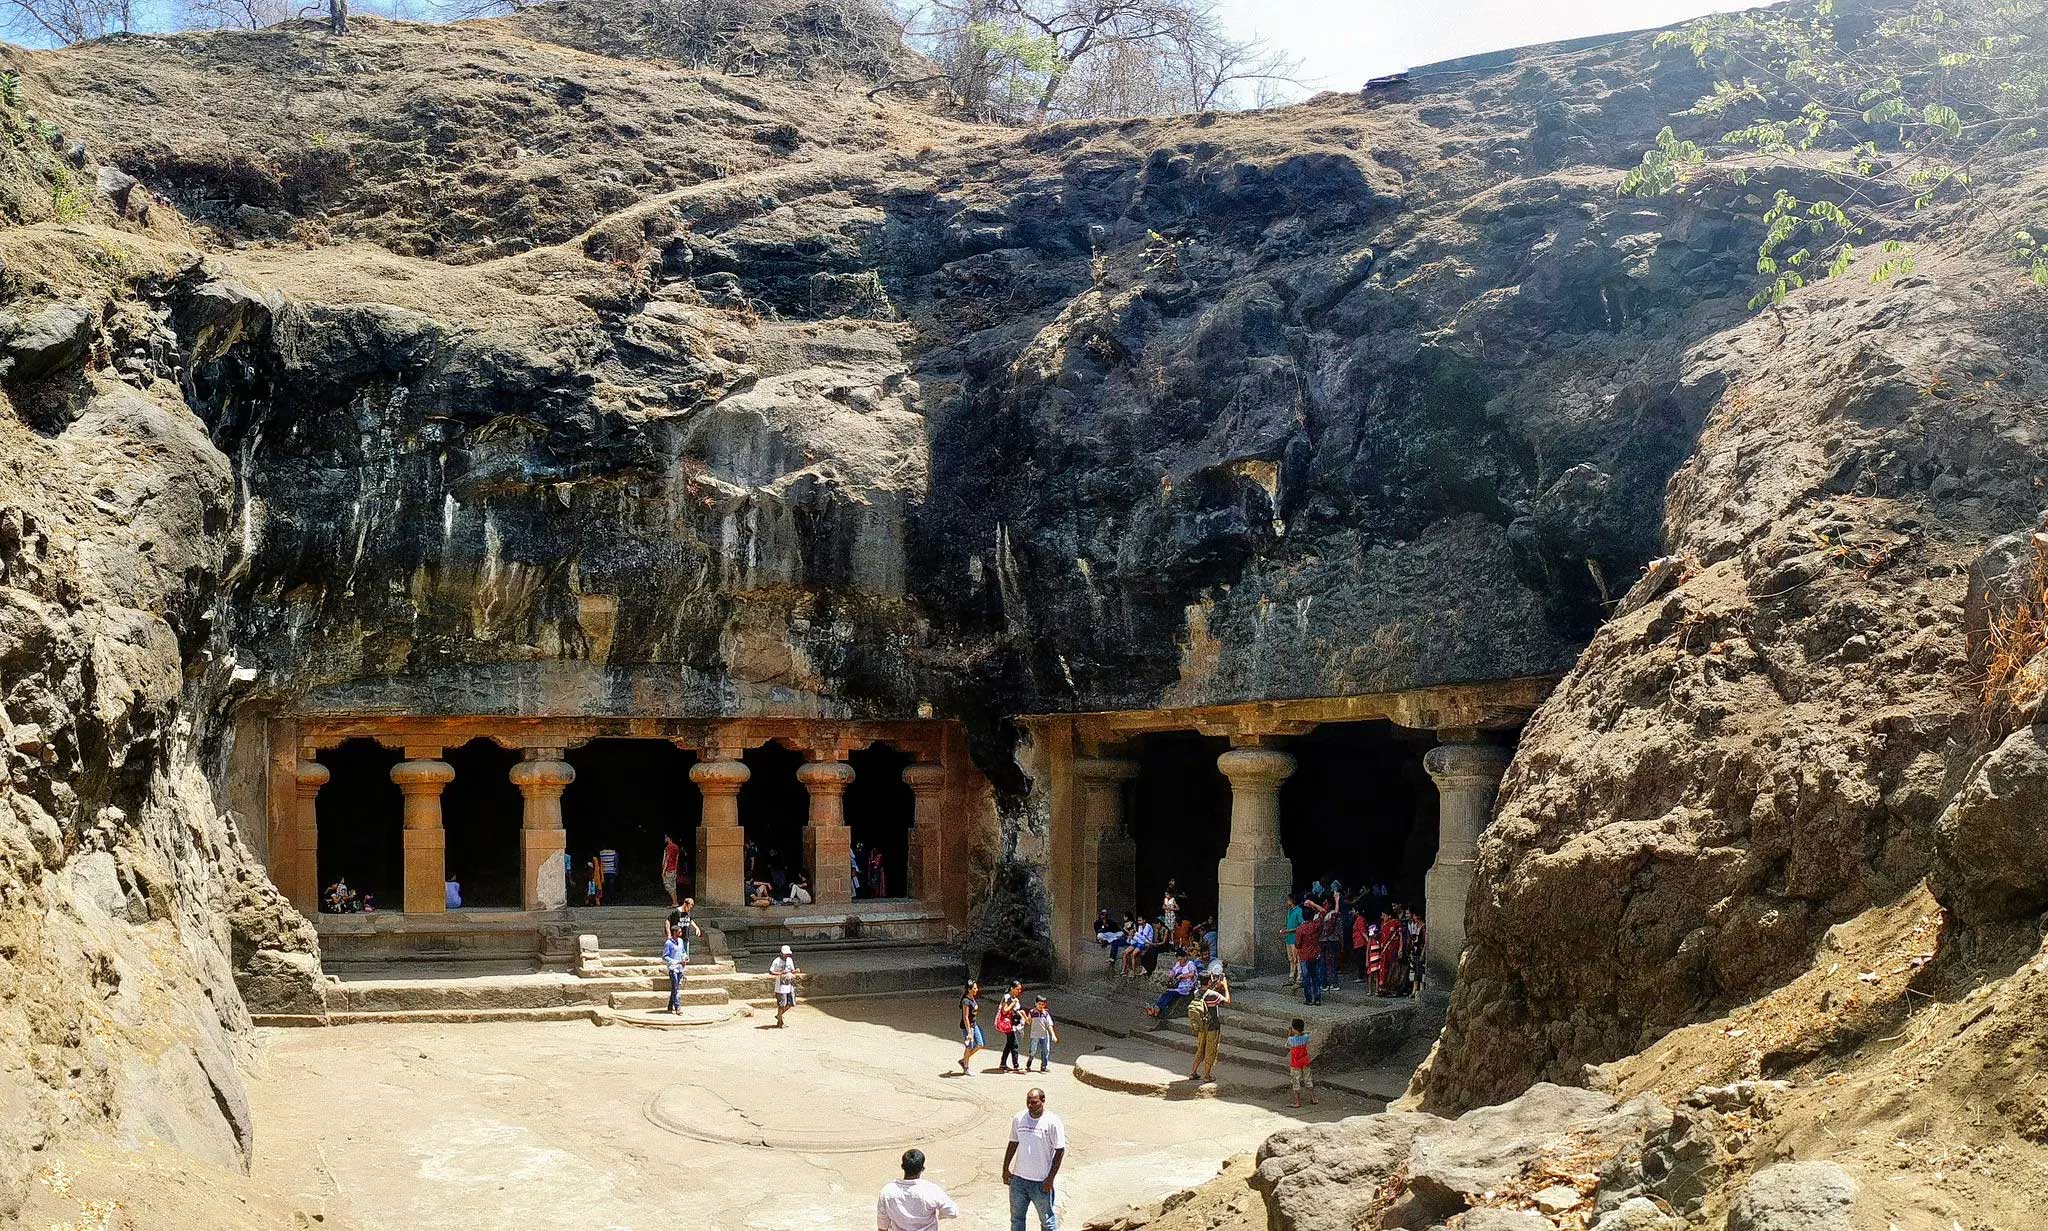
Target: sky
{"x": 1342, "y": 43}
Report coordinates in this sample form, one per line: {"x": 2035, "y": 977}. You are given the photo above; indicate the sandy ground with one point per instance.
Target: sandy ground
{"x": 734, "y": 1126}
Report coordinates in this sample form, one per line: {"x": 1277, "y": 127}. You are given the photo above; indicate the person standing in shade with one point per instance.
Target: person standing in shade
{"x": 1294, "y": 916}
{"x": 1038, "y": 1145}
{"x": 784, "y": 970}
{"x": 671, "y": 862}
{"x": 608, "y": 859}
{"x": 970, "y": 1024}
{"x": 913, "y": 1203}
{"x": 1332, "y": 937}
{"x": 1307, "y": 944}
{"x": 675, "y": 955}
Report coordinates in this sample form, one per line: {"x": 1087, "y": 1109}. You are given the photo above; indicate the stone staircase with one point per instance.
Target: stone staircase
{"x": 635, "y": 978}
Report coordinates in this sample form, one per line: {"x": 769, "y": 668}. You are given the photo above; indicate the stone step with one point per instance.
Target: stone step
{"x": 554, "y": 1013}
{"x": 659, "y": 1000}
{"x": 1231, "y": 1049}
{"x": 660, "y": 1018}
{"x": 1234, "y": 1034}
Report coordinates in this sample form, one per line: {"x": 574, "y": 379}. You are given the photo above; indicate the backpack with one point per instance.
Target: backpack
{"x": 1198, "y": 1015}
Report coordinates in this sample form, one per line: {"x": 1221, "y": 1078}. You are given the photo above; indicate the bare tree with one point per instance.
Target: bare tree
{"x": 1027, "y": 61}
{"x": 66, "y": 21}
{"x": 233, "y": 14}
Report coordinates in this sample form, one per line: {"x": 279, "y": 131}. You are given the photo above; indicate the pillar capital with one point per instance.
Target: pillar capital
{"x": 1256, "y": 769}
{"x": 1105, "y": 770}
{"x": 539, "y": 777}
{"x": 924, "y": 779}
{"x": 423, "y": 777}
{"x": 825, "y": 777}
{"x": 311, "y": 775}
{"x": 720, "y": 777}
{"x": 1466, "y": 764}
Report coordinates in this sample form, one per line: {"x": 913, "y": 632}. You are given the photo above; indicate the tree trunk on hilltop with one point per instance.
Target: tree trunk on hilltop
{"x": 337, "y": 15}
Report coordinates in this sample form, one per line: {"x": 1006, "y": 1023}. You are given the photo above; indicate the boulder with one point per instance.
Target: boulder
{"x": 46, "y": 341}
{"x": 1797, "y": 1197}
{"x": 1638, "y": 1214}
{"x": 1489, "y": 1148}
{"x": 1505, "y": 1220}
{"x": 1990, "y": 862}
{"x": 1324, "y": 1177}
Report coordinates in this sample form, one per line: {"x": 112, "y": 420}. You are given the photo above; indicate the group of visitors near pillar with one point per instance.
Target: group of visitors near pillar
{"x": 771, "y": 882}
{"x": 1325, "y": 931}
{"x": 1031, "y": 1163}
{"x": 1137, "y": 943}
{"x": 1020, "y": 1023}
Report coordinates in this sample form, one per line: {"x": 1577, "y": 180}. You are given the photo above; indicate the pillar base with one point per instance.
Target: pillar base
{"x": 302, "y": 876}
{"x": 1445, "y": 889}
{"x": 426, "y": 872}
{"x": 1251, "y": 913}
{"x": 828, "y": 857}
{"x": 721, "y": 865}
{"x": 923, "y": 869}
{"x": 542, "y": 874}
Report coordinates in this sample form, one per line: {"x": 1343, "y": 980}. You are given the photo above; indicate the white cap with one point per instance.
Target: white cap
{"x": 785, "y": 950}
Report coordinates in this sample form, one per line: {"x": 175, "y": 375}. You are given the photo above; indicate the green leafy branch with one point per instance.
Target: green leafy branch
{"x": 1893, "y": 118}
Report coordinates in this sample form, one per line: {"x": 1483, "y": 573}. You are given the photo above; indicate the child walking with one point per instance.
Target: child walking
{"x": 1299, "y": 1076}
{"x": 1043, "y": 1035}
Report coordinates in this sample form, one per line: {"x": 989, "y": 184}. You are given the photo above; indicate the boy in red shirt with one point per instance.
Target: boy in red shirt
{"x": 1299, "y": 1076}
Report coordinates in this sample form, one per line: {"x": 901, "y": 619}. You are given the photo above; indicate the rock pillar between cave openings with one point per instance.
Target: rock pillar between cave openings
{"x": 421, "y": 777}
{"x": 1467, "y": 776}
{"x": 1108, "y": 866}
{"x": 543, "y": 842}
{"x": 828, "y": 844}
{"x": 1254, "y": 875}
{"x": 302, "y": 851}
{"x": 927, "y": 785}
{"x": 721, "y": 843}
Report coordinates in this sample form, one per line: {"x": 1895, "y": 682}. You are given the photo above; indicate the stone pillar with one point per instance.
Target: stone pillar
{"x": 828, "y": 843}
{"x": 302, "y": 846}
{"x": 721, "y": 843}
{"x": 421, "y": 777}
{"x": 928, "y": 784}
{"x": 1255, "y": 874}
{"x": 541, "y": 779}
{"x": 1108, "y": 872}
{"x": 1467, "y": 776}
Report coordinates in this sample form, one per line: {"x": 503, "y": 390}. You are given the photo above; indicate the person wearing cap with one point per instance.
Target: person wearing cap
{"x": 913, "y": 1203}
{"x": 784, "y": 970}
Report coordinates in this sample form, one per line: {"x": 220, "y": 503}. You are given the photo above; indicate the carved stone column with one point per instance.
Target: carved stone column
{"x": 422, "y": 776}
{"x": 302, "y": 851}
{"x": 1467, "y": 776}
{"x": 828, "y": 844}
{"x": 721, "y": 843}
{"x": 1255, "y": 874}
{"x": 1108, "y": 874}
{"x": 541, "y": 779}
{"x": 928, "y": 784}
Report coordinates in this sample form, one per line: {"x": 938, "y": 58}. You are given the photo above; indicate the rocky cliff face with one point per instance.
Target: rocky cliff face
{"x": 518, "y": 377}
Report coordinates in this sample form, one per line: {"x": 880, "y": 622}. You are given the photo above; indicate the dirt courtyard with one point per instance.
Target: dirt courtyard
{"x": 547, "y": 1125}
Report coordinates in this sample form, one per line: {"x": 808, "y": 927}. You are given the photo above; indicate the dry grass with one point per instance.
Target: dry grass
{"x": 2016, "y": 675}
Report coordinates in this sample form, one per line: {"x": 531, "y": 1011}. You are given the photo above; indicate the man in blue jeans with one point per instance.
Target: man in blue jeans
{"x": 1038, "y": 1145}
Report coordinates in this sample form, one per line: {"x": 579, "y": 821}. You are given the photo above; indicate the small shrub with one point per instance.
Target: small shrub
{"x": 2016, "y": 675}
{"x": 10, "y": 91}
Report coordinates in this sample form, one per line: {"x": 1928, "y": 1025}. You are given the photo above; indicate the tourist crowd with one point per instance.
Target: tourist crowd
{"x": 1327, "y": 928}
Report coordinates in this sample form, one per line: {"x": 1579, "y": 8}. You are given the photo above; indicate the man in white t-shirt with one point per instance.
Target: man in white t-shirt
{"x": 784, "y": 970}
{"x": 1038, "y": 1145}
{"x": 913, "y": 1203}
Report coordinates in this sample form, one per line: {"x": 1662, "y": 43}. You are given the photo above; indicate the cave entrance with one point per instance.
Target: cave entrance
{"x": 361, "y": 819}
{"x": 1180, "y": 822}
{"x": 481, "y": 815}
{"x": 627, "y": 794}
{"x": 774, "y": 807}
{"x": 880, "y": 807}
{"x": 1359, "y": 808}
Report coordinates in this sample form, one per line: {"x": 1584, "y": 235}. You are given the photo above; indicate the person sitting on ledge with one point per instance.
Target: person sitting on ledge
{"x": 799, "y": 892}
{"x": 451, "y": 889}
{"x": 760, "y": 893}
